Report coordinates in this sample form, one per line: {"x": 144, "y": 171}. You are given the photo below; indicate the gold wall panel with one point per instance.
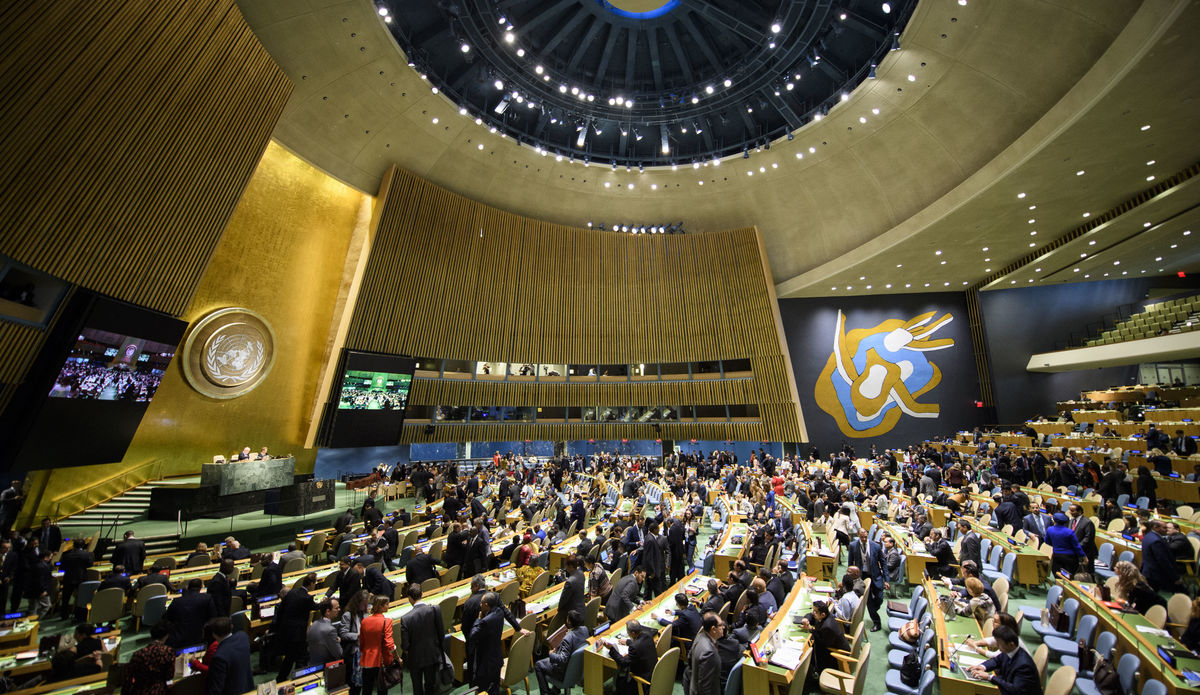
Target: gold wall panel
{"x": 281, "y": 256}
{"x": 451, "y": 278}
{"x": 129, "y": 130}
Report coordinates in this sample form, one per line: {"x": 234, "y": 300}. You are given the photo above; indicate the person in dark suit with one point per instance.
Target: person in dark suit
{"x": 117, "y": 578}
{"x": 1036, "y": 523}
{"x": 130, "y": 553}
{"x": 421, "y": 566}
{"x": 969, "y": 548}
{"x": 187, "y": 616}
{"x": 634, "y": 535}
{"x": 39, "y": 584}
{"x": 351, "y": 581}
{"x": 704, "y": 668}
{"x": 9, "y": 561}
{"x": 324, "y": 638}
{"x": 943, "y": 554}
{"x": 1183, "y": 445}
{"x": 229, "y": 673}
{"x": 74, "y": 564}
{"x": 49, "y": 536}
{"x": 574, "y": 591}
{"x": 640, "y": 659}
{"x": 270, "y": 582}
{"x": 677, "y": 549}
{"x": 1085, "y": 531}
{"x": 377, "y": 584}
{"x": 555, "y": 665}
{"x": 624, "y": 595}
{"x": 421, "y": 633}
{"x": 715, "y": 599}
{"x": 687, "y": 619}
{"x": 1158, "y": 565}
{"x": 654, "y": 559}
{"x": 221, "y": 586}
{"x": 484, "y": 641}
{"x": 867, "y": 555}
{"x": 476, "y": 559}
{"x": 392, "y": 537}
{"x": 234, "y": 550}
{"x": 827, "y": 635}
{"x": 578, "y": 512}
{"x": 291, "y": 625}
{"x": 1013, "y": 670}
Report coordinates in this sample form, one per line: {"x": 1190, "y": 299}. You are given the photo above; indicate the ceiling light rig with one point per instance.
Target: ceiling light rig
{"x": 774, "y": 83}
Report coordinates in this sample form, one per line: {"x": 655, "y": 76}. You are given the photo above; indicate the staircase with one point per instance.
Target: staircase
{"x": 122, "y": 509}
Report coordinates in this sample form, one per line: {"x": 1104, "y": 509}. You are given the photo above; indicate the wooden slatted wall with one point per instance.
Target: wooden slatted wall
{"x": 451, "y": 278}
{"x": 129, "y": 130}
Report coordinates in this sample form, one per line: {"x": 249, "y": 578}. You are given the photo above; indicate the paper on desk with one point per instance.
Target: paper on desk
{"x": 1148, "y": 630}
{"x": 788, "y": 657}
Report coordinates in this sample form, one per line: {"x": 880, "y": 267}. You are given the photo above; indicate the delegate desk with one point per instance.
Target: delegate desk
{"x": 560, "y": 552}
{"x": 1136, "y": 635}
{"x": 24, "y": 665}
{"x": 818, "y": 561}
{"x": 784, "y": 646}
{"x": 248, "y": 476}
{"x": 917, "y": 558}
{"x": 730, "y": 548}
{"x": 952, "y": 630}
{"x": 599, "y": 666}
{"x": 1031, "y": 567}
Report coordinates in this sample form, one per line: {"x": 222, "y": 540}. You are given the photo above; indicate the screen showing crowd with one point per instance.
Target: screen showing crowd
{"x": 374, "y": 391}
{"x": 106, "y": 366}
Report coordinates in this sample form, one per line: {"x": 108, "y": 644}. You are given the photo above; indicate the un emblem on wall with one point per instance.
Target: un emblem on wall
{"x": 228, "y": 353}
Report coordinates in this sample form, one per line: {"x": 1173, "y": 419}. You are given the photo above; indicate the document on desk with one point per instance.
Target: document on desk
{"x": 1148, "y": 630}
{"x": 788, "y": 656}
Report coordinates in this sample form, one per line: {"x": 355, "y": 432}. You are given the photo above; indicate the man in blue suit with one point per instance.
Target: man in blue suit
{"x": 1158, "y": 565}
{"x": 555, "y": 665}
{"x": 1013, "y": 670}
{"x": 867, "y": 555}
{"x": 577, "y": 511}
{"x": 229, "y": 673}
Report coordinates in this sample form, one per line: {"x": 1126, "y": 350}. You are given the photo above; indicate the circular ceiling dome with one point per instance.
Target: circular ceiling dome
{"x": 645, "y": 82}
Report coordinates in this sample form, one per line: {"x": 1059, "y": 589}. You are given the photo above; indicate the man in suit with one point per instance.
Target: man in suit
{"x": 421, "y": 633}
{"x": 640, "y": 658}
{"x": 1158, "y": 564}
{"x": 117, "y": 578}
{"x": 421, "y": 566}
{"x": 555, "y": 665}
{"x": 130, "y": 553}
{"x": 968, "y": 570}
{"x": 1182, "y": 445}
{"x": 344, "y": 521}
{"x": 1085, "y": 531}
{"x": 677, "y": 548}
{"x": 781, "y": 527}
{"x": 234, "y": 550}
{"x": 943, "y": 554}
{"x": 624, "y": 595}
{"x": 391, "y": 536}
{"x": 827, "y": 635}
{"x": 867, "y": 555}
{"x": 9, "y": 561}
{"x": 291, "y": 625}
{"x": 270, "y": 582}
{"x": 352, "y": 581}
{"x": 221, "y": 586}
{"x": 39, "y": 584}
{"x": 578, "y": 513}
{"x": 654, "y": 560}
{"x": 292, "y": 554}
{"x": 1013, "y": 670}
{"x": 229, "y": 673}
{"x": 704, "y": 668}
{"x": 687, "y": 619}
{"x": 1007, "y": 513}
{"x": 484, "y": 643}
{"x": 377, "y": 584}
{"x": 779, "y": 584}
{"x": 574, "y": 591}
{"x": 715, "y": 599}
{"x": 187, "y": 615}
{"x": 49, "y": 536}
{"x": 1036, "y": 523}
{"x": 74, "y": 564}
{"x": 634, "y": 535}
{"x": 324, "y": 640}
{"x": 969, "y": 544}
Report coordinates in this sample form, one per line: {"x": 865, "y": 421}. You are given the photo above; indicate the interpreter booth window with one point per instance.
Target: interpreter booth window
{"x": 687, "y": 413}
{"x": 666, "y": 413}
{"x": 707, "y": 370}
{"x": 613, "y": 372}
{"x": 589, "y": 414}
{"x": 552, "y": 372}
{"x": 458, "y": 369}
{"x": 743, "y": 412}
{"x": 643, "y": 372}
{"x": 675, "y": 370}
{"x": 26, "y": 295}
{"x": 420, "y": 413}
{"x": 522, "y": 371}
{"x": 736, "y": 368}
{"x": 490, "y": 371}
{"x": 711, "y": 413}
{"x": 613, "y": 413}
{"x": 427, "y": 367}
{"x": 582, "y": 372}
{"x": 517, "y": 414}
{"x": 451, "y": 413}
{"x": 481, "y": 414}
{"x": 551, "y": 414}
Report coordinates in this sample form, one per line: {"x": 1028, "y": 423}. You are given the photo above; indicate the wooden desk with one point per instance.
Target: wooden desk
{"x": 951, "y": 631}
{"x": 1031, "y": 568}
{"x": 781, "y": 631}
{"x": 730, "y": 548}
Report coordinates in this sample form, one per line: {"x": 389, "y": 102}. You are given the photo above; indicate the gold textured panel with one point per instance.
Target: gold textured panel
{"x": 129, "y": 130}
{"x": 451, "y": 278}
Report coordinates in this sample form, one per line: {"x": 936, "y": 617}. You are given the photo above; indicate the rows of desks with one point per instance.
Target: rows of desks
{"x": 785, "y": 647}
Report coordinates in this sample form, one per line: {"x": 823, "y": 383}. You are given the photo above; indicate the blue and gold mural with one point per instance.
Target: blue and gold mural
{"x": 875, "y": 375}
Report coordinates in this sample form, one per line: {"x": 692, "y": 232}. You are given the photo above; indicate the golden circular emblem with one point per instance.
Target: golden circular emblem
{"x": 228, "y": 353}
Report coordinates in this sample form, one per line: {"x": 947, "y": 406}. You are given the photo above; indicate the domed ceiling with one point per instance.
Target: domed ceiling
{"x": 646, "y": 82}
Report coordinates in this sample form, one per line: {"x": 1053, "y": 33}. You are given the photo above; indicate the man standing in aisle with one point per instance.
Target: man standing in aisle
{"x": 870, "y": 555}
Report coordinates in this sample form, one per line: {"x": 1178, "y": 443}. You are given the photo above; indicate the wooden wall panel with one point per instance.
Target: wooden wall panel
{"x": 454, "y": 279}
{"x": 130, "y": 130}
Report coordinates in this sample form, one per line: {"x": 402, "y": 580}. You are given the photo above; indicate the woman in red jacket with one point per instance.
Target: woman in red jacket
{"x": 376, "y": 647}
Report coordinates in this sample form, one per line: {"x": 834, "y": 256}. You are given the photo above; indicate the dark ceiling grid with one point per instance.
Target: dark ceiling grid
{"x": 664, "y": 65}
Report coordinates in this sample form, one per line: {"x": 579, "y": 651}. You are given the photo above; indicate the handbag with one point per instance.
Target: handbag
{"x": 392, "y": 673}
{"x": 1060, "y": 621}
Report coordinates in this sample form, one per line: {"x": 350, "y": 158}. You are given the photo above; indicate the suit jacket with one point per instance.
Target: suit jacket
{"x": 828, "y": 635}
{"x": 642, "y": 657}
{"x": 654, "y": 555}
{"x": 324, "y": 642}
{"x": 154, "y": 578}
{"x": 229, "y": 673}
{"x": 419, "y": 568}
{"x": 969, "y": 549}
{"x": 349, "y": 586}
{"x": 633, "y": 536}
{"x": 1158, "y": 565}
{"x": 484, "y": 642}
{"x": 131, "y": 553}
{"x": 1183, "y": 446}
{"x": 49, "y": 538}
{"x": 221, "y": 590}
{"x": 573, "y": 640}
{"x": 1036, "y": 523}
{"x": 1016, "y": 675}
{"x": 291, "y": 617}
{"x": 621, "y": 601}
{"x": 1085, "y": 531}
{"x": 377, "y": 584}
{"x": 421, "y": 633}
{"x": 574, "y": 594}
{"x": 871, "y": 563}
{"x": 74, "y": 564}
{"x": 186, "y": 615}
{"x": 687, "y": 623}
{"x": 239, "y": 553}
{"x": 578, "y": 512}
{"x": 270, "y": 582}
{"x": 705, "y": 667}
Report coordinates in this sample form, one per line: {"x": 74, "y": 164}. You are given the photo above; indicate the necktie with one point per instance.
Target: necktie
{"x": 1073, "y": 522}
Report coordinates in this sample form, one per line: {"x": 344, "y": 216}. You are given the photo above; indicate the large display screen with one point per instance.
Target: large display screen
{"x": 363, "y": 390}
{"x": 90, "y": 387}
{"x": 369, "y": 403}
{"x": 107, "y": 366}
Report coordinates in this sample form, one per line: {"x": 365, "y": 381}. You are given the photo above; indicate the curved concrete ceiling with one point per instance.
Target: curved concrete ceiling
{"x": 980, "y": 98}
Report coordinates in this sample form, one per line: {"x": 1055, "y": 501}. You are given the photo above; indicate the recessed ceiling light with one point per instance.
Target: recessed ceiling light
{"x": 1083, "y": 255}
{"x": 1150, "y": 163}
{"x": 1087, "y": 214}
{"x": 1033, "y": 207}
{"x": 1146, "y": 225}
{"x": 775, "y": 28}
{"x": 1187, "y": 232}
{"x": 938, "y": 252}
{"x": 912, "y": 78}
{"x": 849, "y": 287}
{"x": 946, "y": 284}
{"x": 654, "y": 186}
{"x": 987, "y": 270}
{"x": 1150, "y": 178}
{"x": 1012, "y": 282}
{"x": 875, "y": 111}
{"x": 1080, "y": 172}
{"x": 1020, "y": 195}
{"x": 481, "y": 145}
{"x": 985, "y": 248}
{"x": 862, "y": 277}
{"x": 1032, "y": 244}
{"x": 1158, "y": 258}
{"x": 964, "y": 282}
{"x": 1145, "y": 127}
{"x": 509, "y": 37}
{"x": 1033, "y": 233}
{"x": 1116, "y": 262}
{"x": 1174, "y": 246}
{"x": 1092, "y": 242}
{"x": 943, "y": 263}
{"x": 701, "y": 182}
{"x": 888, "y": 286}
{"x": 899, "y": 265}
{"x": 1076, "y": 270}
{"x": 607, "y": 184}
{"x": 927, "y": 284}
{"x": 1124, "y": 272}
{"x": 908, "y": 284}
{"x": 868, "y": 287}
{"x": 1032, "y": 221}
{"x": 862, "y": 119}
{"x": 1087, "y": 275}
{"x": 1037, "y": 270}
